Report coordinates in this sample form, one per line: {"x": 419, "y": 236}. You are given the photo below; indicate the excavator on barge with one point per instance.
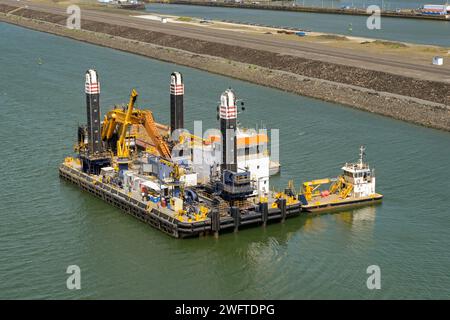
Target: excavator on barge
{"x": 187, "y": 185}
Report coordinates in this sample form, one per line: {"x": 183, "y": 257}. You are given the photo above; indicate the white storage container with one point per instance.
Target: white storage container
{"x": 438, "y": 61}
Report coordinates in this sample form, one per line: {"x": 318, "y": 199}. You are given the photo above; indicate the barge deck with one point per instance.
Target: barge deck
{"x": 164, "y": 221}
{"x": 334, "y": 202}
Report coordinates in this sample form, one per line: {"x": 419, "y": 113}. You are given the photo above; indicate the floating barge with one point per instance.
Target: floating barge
{"x": 152, "y": 171}
{"x": 165, "y": 220}
{"x": 355, "y": 187}
{"x": 334, "y": 202}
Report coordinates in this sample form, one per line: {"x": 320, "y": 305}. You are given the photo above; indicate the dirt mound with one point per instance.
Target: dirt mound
{"x": 331, "y": 37}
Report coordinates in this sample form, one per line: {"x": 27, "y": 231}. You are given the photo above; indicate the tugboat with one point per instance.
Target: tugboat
{"x": 355, "y": 187}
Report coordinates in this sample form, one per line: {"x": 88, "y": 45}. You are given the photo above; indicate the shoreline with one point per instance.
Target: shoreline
{"x": 409, "y": 14}
{"x": 411, "y": 109}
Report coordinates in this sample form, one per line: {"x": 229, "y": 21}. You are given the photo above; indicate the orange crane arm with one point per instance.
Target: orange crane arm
{"x": 153, "y": 132}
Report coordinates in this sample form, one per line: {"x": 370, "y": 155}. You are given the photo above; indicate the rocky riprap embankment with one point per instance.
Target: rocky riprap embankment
{"x": 419, "y": 101}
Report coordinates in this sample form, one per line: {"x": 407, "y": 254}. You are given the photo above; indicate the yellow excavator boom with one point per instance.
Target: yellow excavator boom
{"x": 346, "y": 191}
{"x": 121, "y": 119}
{"x": 115, "y": 117}
{"x": 317, "y": 182}
{"x": 123, "y": 150}
{"x": 337, "y": 185}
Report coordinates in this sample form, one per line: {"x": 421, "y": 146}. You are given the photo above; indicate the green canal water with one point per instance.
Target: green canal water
{"x": 47, "y": 225}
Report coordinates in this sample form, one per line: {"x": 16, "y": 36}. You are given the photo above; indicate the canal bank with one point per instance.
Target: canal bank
{"x": 413, "y": 100}
{"x": 417, "y": 31}
{"x": 343, "y": 10}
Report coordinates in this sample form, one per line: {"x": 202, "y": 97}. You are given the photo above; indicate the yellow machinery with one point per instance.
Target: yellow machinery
{"x": 346, "y": 191}
{"x": 290, "y": 199}
{"x": 119, "y": 117}
{"x": 193, "y": 139}
{"x": 337, "y": 185}
{"x": 123, "y": 149}
{"x": 176, "y": 172}
{"x": 153, "y": 132}
{"x": 289, "y": 194}
{"x": 311, "y": 188}
{"x": 342, "y": 187}
{"x": 200, "y": 215}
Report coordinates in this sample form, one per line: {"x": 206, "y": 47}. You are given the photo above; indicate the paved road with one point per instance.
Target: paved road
{"x": 315, "y": 51}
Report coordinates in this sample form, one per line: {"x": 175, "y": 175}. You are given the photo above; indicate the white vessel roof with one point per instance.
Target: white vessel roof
{"x": 359, "y": 166}
{"x": 356, "y": 167}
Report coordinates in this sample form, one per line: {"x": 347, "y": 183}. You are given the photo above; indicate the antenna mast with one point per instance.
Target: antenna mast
{"x": 361, "y": 156}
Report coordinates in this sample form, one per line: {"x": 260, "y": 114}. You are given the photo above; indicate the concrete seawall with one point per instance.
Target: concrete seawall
{"x": 421, "y": 102}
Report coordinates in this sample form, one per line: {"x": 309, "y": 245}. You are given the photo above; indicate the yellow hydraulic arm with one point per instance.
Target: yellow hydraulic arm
{"x": 346, "y": 191}
{"x": 317, "y": 182}
{"x": 337, "y": 185}
{"x": 115, "y": 117}
{"x": 123, "y": 150}
{"x": 310, "y": 187}
{"x": 193, "y": 139}
{"x": 133, "y": 116}
{"x": 342, "y": 187}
